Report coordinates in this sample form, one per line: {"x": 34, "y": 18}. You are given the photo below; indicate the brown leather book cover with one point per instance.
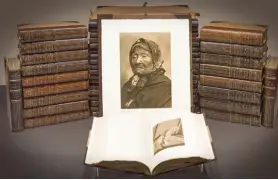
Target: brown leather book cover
{"x": 235, "y": 84}
{"x": 270, "y": 104}
{"x": 55, "y": 99}
{"x": 231, "y": 106}
{"x": 14, "y": 93}
{"x": 234, "y": 49}
{"x": 45, "y": 58}
{"x": 231, "y": 72}
{"x": 53, "y": 46}
{"x": 230, "y": 95}
{"x": 232, "y": 117}
{"x": 55, "y": 89}
{"x": 53, "y": 68}
{"x": 234, "y": 33}
{"x": 36, "y": 32}
{"x": 233, "y": 61}
{"x": 56, "y": 109}
{"x": 54, "y": 78}
{"x": 56, "y": 119}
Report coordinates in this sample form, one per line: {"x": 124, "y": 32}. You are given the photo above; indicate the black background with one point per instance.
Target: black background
{"x": 58, "y": 151}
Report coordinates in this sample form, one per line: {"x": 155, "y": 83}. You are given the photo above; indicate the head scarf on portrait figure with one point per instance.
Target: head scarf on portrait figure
{"x": 146, "y": 64}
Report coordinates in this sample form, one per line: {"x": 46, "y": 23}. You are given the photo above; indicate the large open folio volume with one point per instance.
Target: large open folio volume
{"x": 150, "y": 144}
{"x": 145, "y": 12}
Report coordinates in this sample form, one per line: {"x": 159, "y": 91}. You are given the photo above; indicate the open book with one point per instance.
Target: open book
{"x": 149, "y": 143}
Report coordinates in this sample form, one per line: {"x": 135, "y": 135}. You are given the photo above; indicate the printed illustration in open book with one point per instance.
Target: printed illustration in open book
{"x": 150, "y": 143}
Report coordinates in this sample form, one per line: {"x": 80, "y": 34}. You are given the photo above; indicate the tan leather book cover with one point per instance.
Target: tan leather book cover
{"x": 231, "y": 106}
{"x": 54, "y": 78}
{"x": 56, "y": 119}
{"x": 234, "y": 33}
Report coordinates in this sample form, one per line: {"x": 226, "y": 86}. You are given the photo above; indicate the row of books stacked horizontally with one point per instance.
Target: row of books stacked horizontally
{"x": 238, "y": 79}
{"x": 195, "y": 66}
{"x": 51, "y": 75}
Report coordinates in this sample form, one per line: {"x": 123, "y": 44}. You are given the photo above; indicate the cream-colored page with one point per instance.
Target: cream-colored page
{"x": 179, "y": 136}
{"x": 127, "y": 134}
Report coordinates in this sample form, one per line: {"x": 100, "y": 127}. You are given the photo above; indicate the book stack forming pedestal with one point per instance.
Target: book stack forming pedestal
{"x": 195, "y": 71}
{"x": 233, "y": 58}
{"x": 94, "y": 70}
{"x": 54, "y": 73}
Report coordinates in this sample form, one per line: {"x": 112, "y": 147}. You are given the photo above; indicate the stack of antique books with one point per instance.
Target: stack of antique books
{"x": 195, "y": 72}
{"x": 54, "y": 73}
{"x": 233, "y": 58}
{"x": 94, "y": 70}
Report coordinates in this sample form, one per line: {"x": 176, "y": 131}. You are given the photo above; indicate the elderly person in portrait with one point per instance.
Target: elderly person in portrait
{"x": 148, "y": 87}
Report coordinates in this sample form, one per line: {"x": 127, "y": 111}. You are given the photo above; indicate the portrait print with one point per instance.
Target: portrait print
{"x": 168, "y": 134}
{"x": 145, "y": 66}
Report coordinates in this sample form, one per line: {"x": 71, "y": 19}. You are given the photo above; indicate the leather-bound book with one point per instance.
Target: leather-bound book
{"x": 231, "y": 117}
{"x": 233, "y": 61}
{"x": 56, "y": 99}
{"x": 231, "y": 106}
{"x": 230, "y": 95}
{"x": 54, "y": 78}
{"x": 234, "y": 33}
{"x": 270, "y": 106}
{"x": 53, "y": 68}
{"x": 233, "y": 49}
{"x": 56, "y": 109}
{"x": 45, "y": 58}
{"x": 55, "y": 119}
{"x": 53, "y": 46}
{"x": 14, "y": 93}
{"x": 235, "y": 84}
{"x": 36, "y": 32}
{"x": 55, "y": 89}
{"x": 231, "y": 72}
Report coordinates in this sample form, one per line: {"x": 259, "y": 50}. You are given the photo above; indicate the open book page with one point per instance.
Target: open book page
{"x": 118, "y": 138}
{"x": 178, "y": 136}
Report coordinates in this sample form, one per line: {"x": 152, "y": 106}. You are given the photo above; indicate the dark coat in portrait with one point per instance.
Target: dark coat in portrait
{"x": 148, "y": 87}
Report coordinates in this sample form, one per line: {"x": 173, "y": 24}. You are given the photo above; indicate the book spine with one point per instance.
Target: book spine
{"x": 232, "y": 61}
{"x": 54, "y": 79}
{"x": 14, "y": 98}
{"x": 232, "y": 117}
{"x": 231, "y": 72}
{"x": 53, "y": 46}
{"x": 269, "y": 107}
{"x": 52, "y": 34}
{"x": 55, "y": 99}
{"x": 230, "y": 106}
{"x": 55, "y": 89}
{"x": 53, "y": 68}
{"x": 234, "y": 84}
{"x": 95, "y": 84}
{"x": 35, "y": 59}
{"x": 233, "y": 49}
{"x": 56, "y": 109}
{"x": 195, "y": 67}
{"x": 230, "y": 95}
{"x": 232, "y": 37}
{"x": 55, "y": 119}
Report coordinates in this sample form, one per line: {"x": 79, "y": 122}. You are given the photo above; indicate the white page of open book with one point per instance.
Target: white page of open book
{"x": 128, "y": 137}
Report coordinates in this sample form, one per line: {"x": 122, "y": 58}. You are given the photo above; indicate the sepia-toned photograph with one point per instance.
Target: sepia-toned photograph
{"x": 168, "y": 134}
{"x": 145, "y": 62}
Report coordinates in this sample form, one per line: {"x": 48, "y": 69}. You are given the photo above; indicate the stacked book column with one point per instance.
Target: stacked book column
{"x": 233, "y": 57}
{"x": 195, "y": 72}
{"x": 54, "y": 70}
{"x": 95, "y": 69}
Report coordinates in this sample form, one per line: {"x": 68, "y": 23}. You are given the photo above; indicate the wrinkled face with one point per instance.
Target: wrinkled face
{"x": 141, "y": 62}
